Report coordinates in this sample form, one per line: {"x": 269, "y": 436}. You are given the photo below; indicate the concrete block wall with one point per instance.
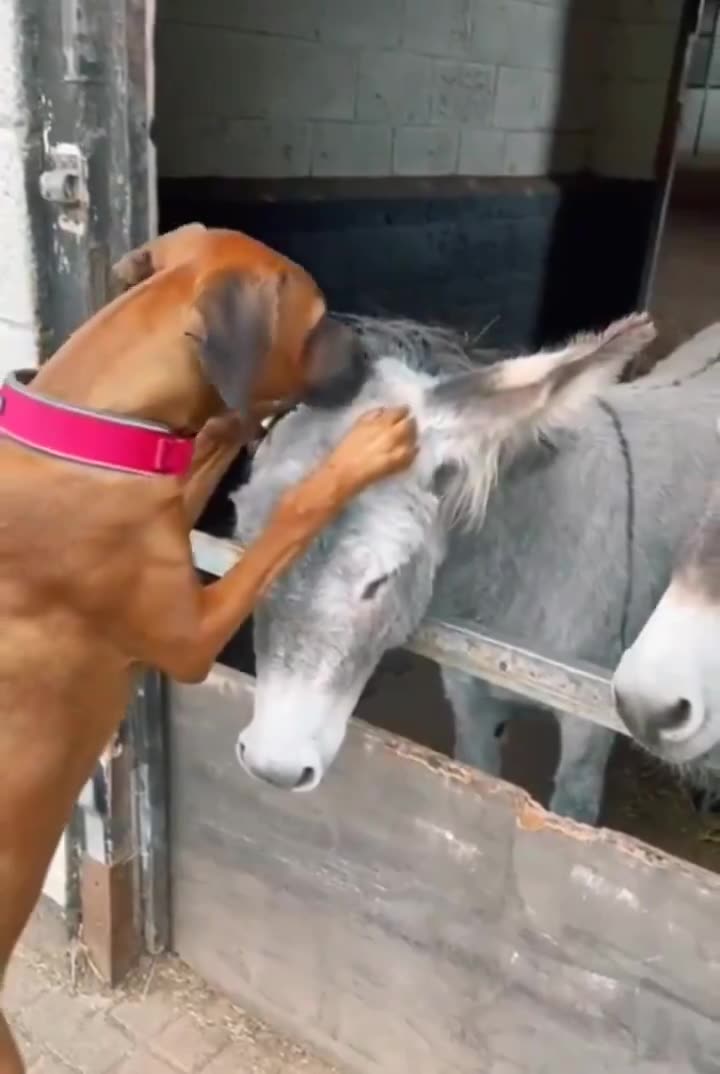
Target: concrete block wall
{"x": 336, "y": 88}
{"x": 700, "y": 130}
{"x": 17, "y": 280}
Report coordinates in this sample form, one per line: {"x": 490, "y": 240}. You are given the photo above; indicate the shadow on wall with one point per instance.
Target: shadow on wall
{"x": 616, "y": 82}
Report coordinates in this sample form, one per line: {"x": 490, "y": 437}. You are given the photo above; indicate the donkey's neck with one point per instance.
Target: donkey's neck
{"x": 555, "y": 515}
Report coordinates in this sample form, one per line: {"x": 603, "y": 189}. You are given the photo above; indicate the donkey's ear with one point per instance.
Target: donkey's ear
{"x": 521, "y": 396}
{"x": 232, "y": 322}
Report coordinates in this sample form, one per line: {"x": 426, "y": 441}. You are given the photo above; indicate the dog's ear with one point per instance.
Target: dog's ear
{"x": 335, "y": 364}
{"x": 232, "y": 323}
{"x": 161, "y": 252}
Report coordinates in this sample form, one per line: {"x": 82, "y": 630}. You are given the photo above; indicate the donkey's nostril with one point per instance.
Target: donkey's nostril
{"x": 675, "y": 715}
{"x": 307, "y": 777}
{"x": 675, "y": 721}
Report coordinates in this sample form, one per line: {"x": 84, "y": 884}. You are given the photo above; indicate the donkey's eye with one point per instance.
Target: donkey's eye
{"x": 372, "y": 587}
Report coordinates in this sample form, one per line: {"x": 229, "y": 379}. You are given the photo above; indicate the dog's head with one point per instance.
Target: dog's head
{"x": 259, "y": 321}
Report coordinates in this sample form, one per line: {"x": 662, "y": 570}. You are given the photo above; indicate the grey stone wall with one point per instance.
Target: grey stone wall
{"x": 282, "y": 88}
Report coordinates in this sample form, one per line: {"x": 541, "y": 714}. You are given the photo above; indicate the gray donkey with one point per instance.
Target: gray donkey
{"x": 515, "y": 516}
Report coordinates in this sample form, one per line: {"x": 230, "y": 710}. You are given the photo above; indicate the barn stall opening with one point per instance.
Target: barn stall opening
{"x": 499, "y": 165}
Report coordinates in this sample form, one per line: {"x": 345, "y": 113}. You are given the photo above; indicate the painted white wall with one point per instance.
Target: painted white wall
{"x": 17, "y": 278}
{"x": 411, "y": 87}
{"x": 18, "y": 343}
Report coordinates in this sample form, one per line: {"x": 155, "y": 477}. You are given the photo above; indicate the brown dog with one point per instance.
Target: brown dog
{"x": 96, "y": 572}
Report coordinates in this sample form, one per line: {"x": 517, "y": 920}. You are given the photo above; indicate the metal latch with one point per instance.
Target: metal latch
{"x": 65, "y": 181}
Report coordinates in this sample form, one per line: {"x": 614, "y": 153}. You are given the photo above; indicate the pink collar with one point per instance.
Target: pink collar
{"x": 93, "y": 437}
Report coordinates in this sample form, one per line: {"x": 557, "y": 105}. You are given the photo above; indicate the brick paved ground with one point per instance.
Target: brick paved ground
{"x": 164, "y": 1022}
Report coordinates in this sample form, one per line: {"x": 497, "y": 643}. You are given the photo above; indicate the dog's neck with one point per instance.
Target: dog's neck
{"x": 133, "y": 359}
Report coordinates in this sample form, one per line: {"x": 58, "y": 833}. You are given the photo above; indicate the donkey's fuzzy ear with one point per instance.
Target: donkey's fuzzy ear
{"x": 543, "y": 390}
{"x": 475, "y": 416}
{"x": 233, "y": 322}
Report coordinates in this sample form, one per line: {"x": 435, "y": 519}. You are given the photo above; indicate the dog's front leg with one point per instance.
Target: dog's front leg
{"x": 174, "y": 624}
{"x": 216, "y": 447}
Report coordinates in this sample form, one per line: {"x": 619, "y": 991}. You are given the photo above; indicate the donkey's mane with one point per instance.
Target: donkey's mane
{"x": 424, "y": 348}
{"x": 406, "y": 357}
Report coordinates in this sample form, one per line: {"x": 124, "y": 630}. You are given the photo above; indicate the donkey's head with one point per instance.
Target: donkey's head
{"x": 667, "y": 684}
{"x": 365, "y": 584}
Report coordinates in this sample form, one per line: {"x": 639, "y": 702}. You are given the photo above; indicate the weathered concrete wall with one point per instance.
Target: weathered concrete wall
{"x": 18, "y": 343}
{"x": 700, "y": 130}
{"x": 334, "y": 88}
{"x": 17, "y": 282}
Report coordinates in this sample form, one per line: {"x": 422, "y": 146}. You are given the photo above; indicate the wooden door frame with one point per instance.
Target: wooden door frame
{"x": 86, "y": 69}
{"x": 666, "y": 155}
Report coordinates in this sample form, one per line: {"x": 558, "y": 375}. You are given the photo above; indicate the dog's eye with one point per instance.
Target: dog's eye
{"x": 371, "y": 588}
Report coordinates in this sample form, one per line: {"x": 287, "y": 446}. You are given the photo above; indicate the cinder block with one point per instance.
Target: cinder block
{"x": 576, "y": 103}
{"x": 267, "y": 149}
{"x": 629, "y": 121}
{"x": 425, "y": 151}
{"x": 216, "y": 73}
{"x": 715, "y": 62}
{"x": 351, "y": 149}
{"x": 439, "y": 29}
{"x": 525, "y": 99}
{"x": 373, "y": 22}
{"x": 193, "y": 146}
{"x": 395, "y": 87}
{"x": 539, "y": 38}
{"x": 287, "y": 18}
{"x": 528, "y": 153}
{"x": 463, "y": 92}
{"x": 482, "y": 152}
{"x": 690, "y": 119}
{"x": 519, "y": 33}
{"x": 710, "y": 130}
{"x": 16, "y": 285}
{"x": 642, "y": 52}
{"x": 644, "y": 10}
{"x": 540, "y": 153}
